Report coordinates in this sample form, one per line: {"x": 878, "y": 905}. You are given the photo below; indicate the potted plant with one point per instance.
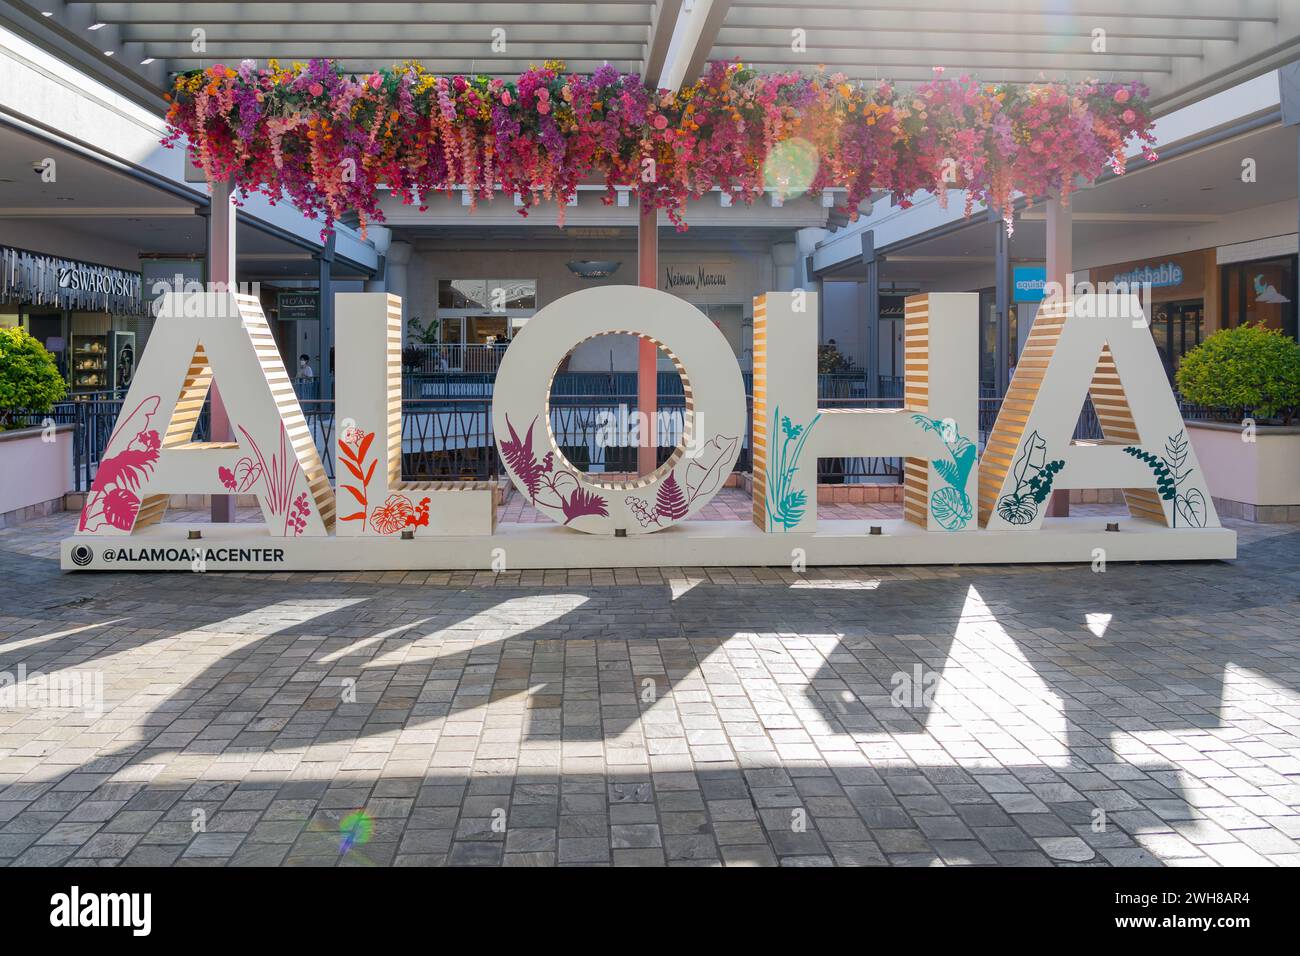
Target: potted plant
{"x": 35, "y": 461}
{"x": 1247, "y": 379}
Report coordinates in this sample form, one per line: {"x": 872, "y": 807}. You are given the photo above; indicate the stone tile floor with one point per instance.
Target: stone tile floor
{"x": 1028, "y": 715}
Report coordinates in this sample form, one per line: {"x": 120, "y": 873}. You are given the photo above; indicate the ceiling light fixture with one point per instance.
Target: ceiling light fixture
{"x": 593, "y": 268}
{"x": 146, "y": 61}
{"x": 97, "y": 26}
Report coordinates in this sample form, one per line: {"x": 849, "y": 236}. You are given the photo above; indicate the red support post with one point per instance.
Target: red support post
{"x": 647, "y": 365}
{"x": 221, "y": 269}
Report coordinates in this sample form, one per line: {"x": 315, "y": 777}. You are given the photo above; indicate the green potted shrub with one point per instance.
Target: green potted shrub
{"x": 1249, "y": 379}
{"x": 29, "y": 378}
{"x": 38, "y": 460}
{"x": 1249, "y": 371}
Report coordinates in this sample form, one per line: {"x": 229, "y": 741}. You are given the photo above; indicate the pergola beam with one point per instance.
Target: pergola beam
{"x": 660, "y": 36}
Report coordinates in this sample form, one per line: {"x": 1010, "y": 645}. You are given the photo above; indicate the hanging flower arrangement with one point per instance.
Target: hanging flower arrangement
{"x": 329, "y": 142}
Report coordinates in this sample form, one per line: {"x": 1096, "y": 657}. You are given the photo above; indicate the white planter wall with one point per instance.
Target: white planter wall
{"x": 1258, "y": 480}
{"x": 33, "y": 473}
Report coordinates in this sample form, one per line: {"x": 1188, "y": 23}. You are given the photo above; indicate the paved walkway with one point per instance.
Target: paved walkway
{"x": 924, "y": 716}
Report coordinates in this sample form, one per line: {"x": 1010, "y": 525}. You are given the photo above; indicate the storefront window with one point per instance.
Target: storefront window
{"x": 1261, "y": 292}
{"x": 462, "y": 294}
{"x": 489, "y": 295}
{"x": 483, "y": 311}
{"x": 483, "y": 329}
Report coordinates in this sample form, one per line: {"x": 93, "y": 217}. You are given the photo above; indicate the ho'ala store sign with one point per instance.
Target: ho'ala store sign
{"x": 960, "y": 506}
{"x": 37, "y": 279}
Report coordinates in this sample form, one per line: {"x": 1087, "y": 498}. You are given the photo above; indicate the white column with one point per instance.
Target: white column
{"x": 785, "y": 258}
{"x": 396, "y": 277}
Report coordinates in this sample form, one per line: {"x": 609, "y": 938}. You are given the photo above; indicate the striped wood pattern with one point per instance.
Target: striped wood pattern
{"x": 916, "y": 399}
{"x": 1004, "y": 443}
{"x": 1118, "y": 428}
{"x": 759, "y": 440}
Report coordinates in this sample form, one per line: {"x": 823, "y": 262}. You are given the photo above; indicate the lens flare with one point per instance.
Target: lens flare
{"x": 355, "y": 830}
{"x": 791, "y": 167}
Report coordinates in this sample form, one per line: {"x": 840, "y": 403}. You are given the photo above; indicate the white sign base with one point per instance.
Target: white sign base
{"x": 516, "y": 547}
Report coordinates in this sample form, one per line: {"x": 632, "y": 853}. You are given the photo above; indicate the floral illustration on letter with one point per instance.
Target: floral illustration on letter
{"x": 280, "y": 476}
{"x": 951, "y": 505}
{"x": 1033, "y": 474}
{"x": 1170, "y": 473}
{"x": 704, "y": 473}
{"x": 397, "y": 514}
{"x": 786, "y": 506}
{"x": 557, "y": 490}
{"x": 114, "y": 497}
{"x": 353, "y": 445}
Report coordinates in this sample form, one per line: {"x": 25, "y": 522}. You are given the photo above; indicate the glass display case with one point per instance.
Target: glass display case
{"x": 88, "y": 363}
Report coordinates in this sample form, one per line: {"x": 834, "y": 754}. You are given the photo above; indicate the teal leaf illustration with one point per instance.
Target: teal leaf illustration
{"x": 948, "y": 471}
{"x": 1034, "y": 475}
{"x": 786, "y": 505}
{"x": 791, "y": 508}
{"x": 1032, "y": 457}
{"x": 1014, "y": 510}
{"x": 951, "y": 508}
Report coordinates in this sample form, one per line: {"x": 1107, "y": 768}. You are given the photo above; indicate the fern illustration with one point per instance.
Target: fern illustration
{"x": 1170, "y": 472}
{"x": 786, "y": 505}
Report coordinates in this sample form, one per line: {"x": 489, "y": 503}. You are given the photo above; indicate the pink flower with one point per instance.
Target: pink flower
{"x": 661, "y": 121}
{"x": 1129, "y": 116}
{"x": 506, "y": 98}
{"x": 544, "y": 94}
{"x": 543, "y": 106}
{"x": 376, "y": 81}
{"x": 1121, "y": 95}
{"x": 315, "y": 89}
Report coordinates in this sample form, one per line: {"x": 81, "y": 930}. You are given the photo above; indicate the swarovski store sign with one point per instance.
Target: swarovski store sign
{"x": 37, "y": 279}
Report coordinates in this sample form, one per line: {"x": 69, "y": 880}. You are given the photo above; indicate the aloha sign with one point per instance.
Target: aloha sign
{"x": 959, "y": 505}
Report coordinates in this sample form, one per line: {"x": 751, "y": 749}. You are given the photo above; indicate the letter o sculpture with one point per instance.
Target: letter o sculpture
{"x": 713, "y": 431}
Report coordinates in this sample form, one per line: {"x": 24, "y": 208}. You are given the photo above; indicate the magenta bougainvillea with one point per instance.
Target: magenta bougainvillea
{"x": 327, "y": 141}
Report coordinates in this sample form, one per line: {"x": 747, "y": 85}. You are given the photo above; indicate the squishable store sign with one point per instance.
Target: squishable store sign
{"x": 959, "y": 507}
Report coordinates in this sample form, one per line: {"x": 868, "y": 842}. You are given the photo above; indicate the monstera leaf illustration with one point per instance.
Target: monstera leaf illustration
{"x": 393, "y": 515}
{"x": 120, "y": 507}
{"x": 951, "y": 508}
{"x": 1015, "y": 510}
{"x": 114, "y": 498}
{"x": 707, "y": 470}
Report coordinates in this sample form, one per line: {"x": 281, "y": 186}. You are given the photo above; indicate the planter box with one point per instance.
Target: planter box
{"x": 34, "y": 473}
{"x": 1259, "y": 480}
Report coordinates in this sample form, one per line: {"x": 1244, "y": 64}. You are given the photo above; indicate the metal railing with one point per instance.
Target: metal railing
{"x": 472, "y": 357}
{"x": 446, "y": 435}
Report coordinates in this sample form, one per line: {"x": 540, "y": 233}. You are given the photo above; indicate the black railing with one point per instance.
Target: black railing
{"x": 447, "y": 432}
